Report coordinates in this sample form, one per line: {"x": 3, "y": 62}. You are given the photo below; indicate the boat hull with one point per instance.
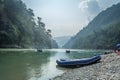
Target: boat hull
{"x": 78, "y": 62}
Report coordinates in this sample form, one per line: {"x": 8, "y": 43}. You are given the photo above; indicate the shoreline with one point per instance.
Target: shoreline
{"x": 107, "y": 69}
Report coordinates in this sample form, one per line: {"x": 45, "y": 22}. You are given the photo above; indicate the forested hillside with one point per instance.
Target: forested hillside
{"x": 18, "y": 27}
{"x": 103, "y": 32}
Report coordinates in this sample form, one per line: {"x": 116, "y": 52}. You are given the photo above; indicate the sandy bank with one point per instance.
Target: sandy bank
{"x": 107, "y": 69}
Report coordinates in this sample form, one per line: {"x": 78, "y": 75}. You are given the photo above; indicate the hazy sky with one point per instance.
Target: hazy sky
{"x": 67, "y": 17}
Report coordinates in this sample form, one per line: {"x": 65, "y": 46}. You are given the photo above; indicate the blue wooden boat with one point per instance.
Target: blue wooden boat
{"x": 78, "y": 62}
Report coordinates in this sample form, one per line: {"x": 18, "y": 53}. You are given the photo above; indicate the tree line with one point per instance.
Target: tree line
{"x": 19, "y": 27}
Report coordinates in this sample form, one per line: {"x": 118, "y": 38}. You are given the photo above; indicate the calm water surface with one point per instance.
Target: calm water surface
{"x": 28, "y": 64}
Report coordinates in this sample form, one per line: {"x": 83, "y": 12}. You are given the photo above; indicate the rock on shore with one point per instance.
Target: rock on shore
{"x": 107, "y": 69}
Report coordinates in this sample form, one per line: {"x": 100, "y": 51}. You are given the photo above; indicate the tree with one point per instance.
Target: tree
{"x": 30, "y": 11}
{"x": 49, "y": 33}
{"x": 41, "y": 24}
{"x": 39, "y": 21}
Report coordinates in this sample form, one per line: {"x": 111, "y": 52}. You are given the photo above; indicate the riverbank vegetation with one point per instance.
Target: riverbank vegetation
{"x": 19, "y": 28}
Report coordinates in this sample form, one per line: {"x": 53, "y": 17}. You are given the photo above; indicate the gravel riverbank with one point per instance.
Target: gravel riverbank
{"x": 107, "y": 69}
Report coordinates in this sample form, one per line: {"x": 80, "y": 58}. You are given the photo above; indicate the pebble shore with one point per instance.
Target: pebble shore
{"x": 107, "y": 69}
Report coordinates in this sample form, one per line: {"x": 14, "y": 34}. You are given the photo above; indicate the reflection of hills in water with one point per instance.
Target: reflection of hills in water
{"x": 28, "y": 64}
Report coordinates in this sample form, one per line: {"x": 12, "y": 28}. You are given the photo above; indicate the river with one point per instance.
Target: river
{"x": 28, "y": 64}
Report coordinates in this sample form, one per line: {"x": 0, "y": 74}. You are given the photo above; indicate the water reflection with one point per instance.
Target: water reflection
{"x": 32, "y": 65}
{"x": 83, "y": 53}
{"x": 50, "y": 70}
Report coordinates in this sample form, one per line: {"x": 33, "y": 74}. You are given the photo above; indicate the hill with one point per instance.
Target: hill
{"x": 18, "y": 28}
{"x": 62, "y": 40}
{"x": 101, "y": 33}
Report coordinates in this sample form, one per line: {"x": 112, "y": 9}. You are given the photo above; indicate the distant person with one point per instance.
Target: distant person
{"x": 118, "y": 49}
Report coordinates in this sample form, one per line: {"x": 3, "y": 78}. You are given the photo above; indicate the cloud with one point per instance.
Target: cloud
{"x": 105, "y": 3}
{"x": 91, "y": 7}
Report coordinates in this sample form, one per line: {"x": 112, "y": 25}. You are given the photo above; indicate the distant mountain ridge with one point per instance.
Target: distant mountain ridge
{"x": 101, "y": 24}
{"x": 61, "y": 40}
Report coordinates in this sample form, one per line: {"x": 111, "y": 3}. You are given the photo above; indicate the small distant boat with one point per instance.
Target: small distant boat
{"x": 39, "y": 50}
{"x": 67, "y": 51}
{"x": 78, "y": 62}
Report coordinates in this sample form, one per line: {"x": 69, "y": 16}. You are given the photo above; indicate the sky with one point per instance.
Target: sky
{"x": 67, "y": 17}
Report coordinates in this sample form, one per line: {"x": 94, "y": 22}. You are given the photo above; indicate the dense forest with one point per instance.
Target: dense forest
{"x": 103, "y": 32}
{"x": 20, "y": 29}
